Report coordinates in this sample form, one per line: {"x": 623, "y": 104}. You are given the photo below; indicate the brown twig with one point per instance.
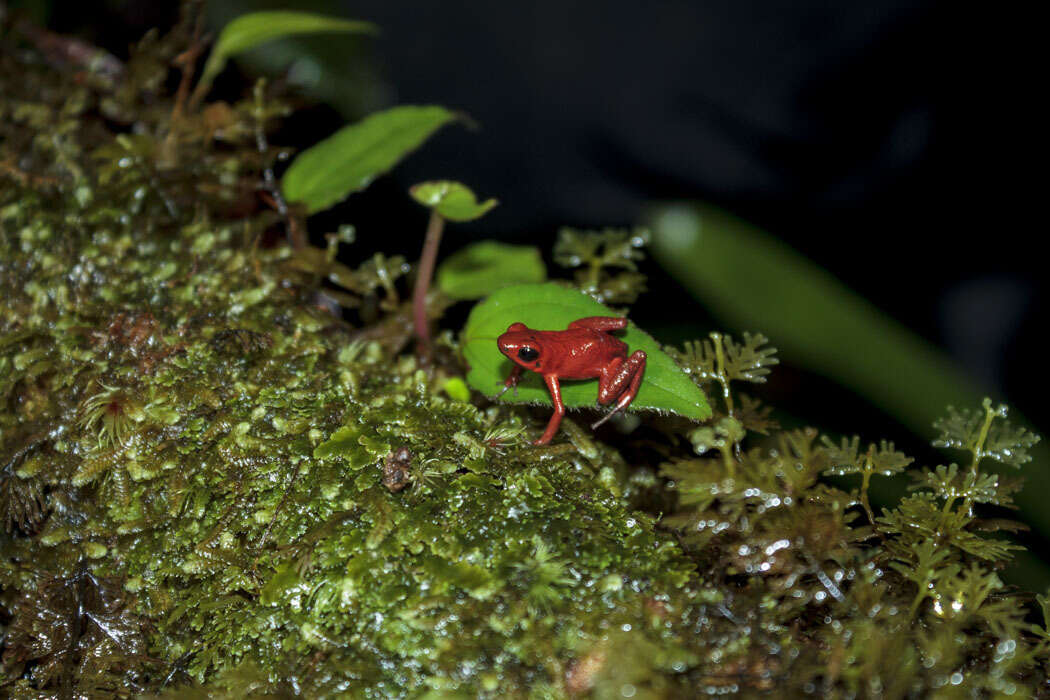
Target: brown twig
{"x": 69, "y": 50}
{"x": 272, "y": 190}
{"x": 8, "y": 167}
{"x": 187, "y": 64}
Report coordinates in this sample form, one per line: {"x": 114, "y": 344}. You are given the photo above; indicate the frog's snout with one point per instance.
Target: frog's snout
{"x": 505, "y": 344}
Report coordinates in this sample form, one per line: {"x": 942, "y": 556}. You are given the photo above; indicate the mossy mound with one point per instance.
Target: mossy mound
{"x": 211, "y": 483}
{"x": 194, "y": 454}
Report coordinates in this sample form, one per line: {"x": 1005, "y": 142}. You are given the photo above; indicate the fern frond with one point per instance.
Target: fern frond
{"x": 606, "y": 248}
{"x": 846, "y": 457}
{"x": 1009, "y": 444}
{"x": 985, "y": 433}
{"x": 755, "y": 416}
{"x": 751, "y": 360}
{"x": 950, "y": 483}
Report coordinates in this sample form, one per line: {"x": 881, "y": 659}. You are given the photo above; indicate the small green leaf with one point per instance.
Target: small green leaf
{"x": 549, "y": 306}
{"x": 452, "y": 200}
{"x": 351, "y": 158}
{"x": 250, "y": 30}
{"x": 457, "y": 389}
{"x": 482, "y": 268}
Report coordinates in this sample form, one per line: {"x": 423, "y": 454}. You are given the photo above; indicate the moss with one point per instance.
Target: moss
{"x": 198, "y": 457}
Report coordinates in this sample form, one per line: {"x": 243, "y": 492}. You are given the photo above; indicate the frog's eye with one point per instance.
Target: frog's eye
{"x": 528, "y": 354}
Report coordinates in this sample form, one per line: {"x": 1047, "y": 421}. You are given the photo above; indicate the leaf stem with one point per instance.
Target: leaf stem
{"x": 426, "y": 272}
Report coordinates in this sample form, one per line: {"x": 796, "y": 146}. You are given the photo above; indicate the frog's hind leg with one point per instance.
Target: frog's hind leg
{"x": 600, "y": 323}
{"x": 621, "y": 380}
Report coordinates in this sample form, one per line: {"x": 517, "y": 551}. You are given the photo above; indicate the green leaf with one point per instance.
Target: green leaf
{"x": 452, "y": 200}
{"x": 351, "y": 158}
{"x": 250, "y": 30}
{"x": 549, "y": 306}
{"x": 457, "y": 389}
{"x": 752, "y": 280}
{"x": 485, "y": 266}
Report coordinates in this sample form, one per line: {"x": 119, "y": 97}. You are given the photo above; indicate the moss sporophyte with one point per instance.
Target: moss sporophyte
{"x": 211, "y": 485}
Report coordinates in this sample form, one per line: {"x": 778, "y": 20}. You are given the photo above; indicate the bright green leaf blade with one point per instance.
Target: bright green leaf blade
{"x": 754, "y": 281}
{"x": 452, "y": 200}
{"x": 751, "y": 280}
{"x": 250, "y": 30}
{"x": 348, "y": 160}
{"x": 552, "y": 307}
{"x": 482, "y": 268}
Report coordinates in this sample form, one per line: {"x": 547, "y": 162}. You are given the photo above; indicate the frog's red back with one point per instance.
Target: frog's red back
{"x": 574, "y": 353}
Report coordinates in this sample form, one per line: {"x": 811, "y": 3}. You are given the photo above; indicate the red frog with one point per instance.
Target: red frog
{"x": 585, "y": 350}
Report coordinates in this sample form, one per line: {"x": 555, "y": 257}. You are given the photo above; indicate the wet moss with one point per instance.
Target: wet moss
{"x": 197, "y": 468}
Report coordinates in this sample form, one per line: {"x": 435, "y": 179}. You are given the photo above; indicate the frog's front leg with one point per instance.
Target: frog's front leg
{"x": 512, "y": 381}
{"x": 621, "y": 379}
{"x": 559, "y": 410}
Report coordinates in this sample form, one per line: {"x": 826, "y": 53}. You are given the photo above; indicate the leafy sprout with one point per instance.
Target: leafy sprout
{"x": 951, "y": 484}
{"x": 723, "y": 360}
{"x": 846, "y": 458}
{"x": 111, "y": 412}
{"x": 450, "y": 200}
{"x": 931, "y": 563}
{"x": 544, "y": 576}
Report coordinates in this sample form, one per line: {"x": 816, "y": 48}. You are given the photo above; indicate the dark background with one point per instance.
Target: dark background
{"x": 880, "y": 139}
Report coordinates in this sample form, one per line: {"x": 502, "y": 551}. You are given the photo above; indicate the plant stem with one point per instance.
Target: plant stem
{"x": 295, "y": 235}
{"x": 864, "y": 502}
{"x": 919, "y": 597}
{"x": 423, "y": 278}
{"x": 978, "y": 448}
{"x": 865, "y": 484}
{"x": 723, "y": 378}
{"x": 727, "y": 459}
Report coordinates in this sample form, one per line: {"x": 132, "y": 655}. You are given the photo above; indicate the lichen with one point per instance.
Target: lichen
{"x": 211, "y": 483}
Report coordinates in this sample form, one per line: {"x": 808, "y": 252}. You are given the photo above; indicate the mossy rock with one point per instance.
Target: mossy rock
{"x": 196, "y": 463}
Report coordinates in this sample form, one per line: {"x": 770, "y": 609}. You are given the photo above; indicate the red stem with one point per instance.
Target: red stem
{"x": 426, "y": 273}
